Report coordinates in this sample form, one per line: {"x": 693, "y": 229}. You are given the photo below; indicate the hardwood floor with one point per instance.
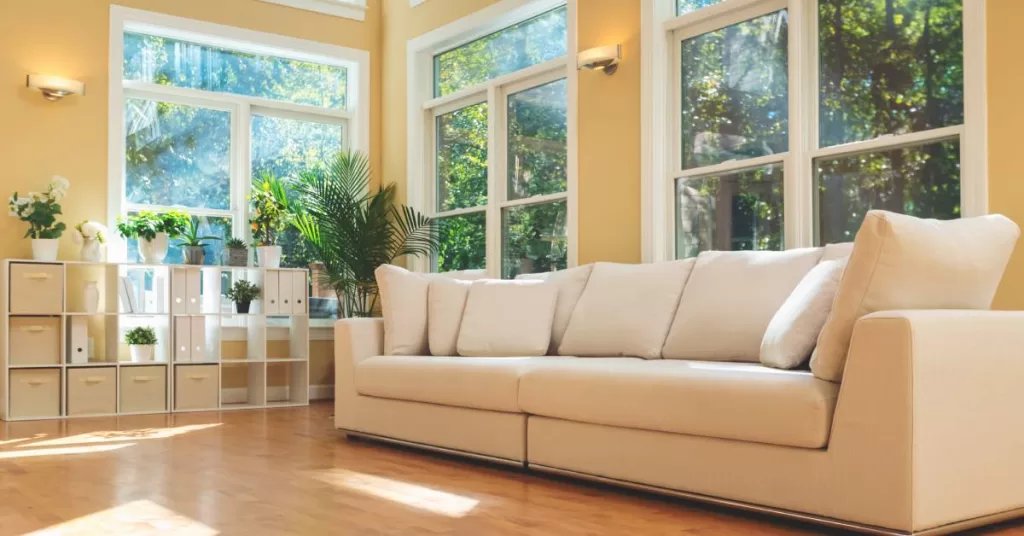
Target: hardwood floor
{"x": 287, "y": 471}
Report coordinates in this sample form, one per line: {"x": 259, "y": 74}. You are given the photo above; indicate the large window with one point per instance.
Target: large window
{"x": 496, "y": 137}
{"x": 793, "y": 118}
{"x": 206, "y": 108}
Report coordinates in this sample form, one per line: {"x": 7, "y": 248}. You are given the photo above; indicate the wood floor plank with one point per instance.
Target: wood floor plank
{"x": 288, "y": 472}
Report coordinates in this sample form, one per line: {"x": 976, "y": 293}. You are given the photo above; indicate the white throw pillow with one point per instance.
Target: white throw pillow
{"x": 729, "y": 301}
{"x": 446, "y": 301}
{"x": 626, "y": 310}
{"x": 836, "y": 251}
{"x": 507, "y": 319}
{"x": 902, "y": 262}
{"x": 571, "y": 284}
{"x": 794, "y": 329}
{"x": 403, "y": 302}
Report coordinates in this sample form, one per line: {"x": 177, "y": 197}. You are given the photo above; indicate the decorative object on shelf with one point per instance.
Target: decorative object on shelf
{"x": 129, "y": 301}
{"x": 194, "y": 244}
{"x": 92, "y": 236}
{"x": 243, "y": 293}
{"x": 237, "y": 252}
{"x": 270, "y": 215}
{"x": 153, "y": 231}
{"x": 141, "y": 343}
{"x": 40, "y": 211}
{"x": 91, "y": 297}
{"x": 354, "y": 229}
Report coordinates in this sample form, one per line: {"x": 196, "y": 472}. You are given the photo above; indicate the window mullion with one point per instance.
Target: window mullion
{"x": 495, "y": 192}
{"x": 241, "y": 168}
{"x": 798, "y": 187}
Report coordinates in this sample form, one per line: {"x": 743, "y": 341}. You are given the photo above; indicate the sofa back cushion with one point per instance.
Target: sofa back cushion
{"x": 793, "y": 330}
{"x": 446, "y": 301}
{"x": 902, "y": 262}
{"x": 833, "y": 252}
{"x": 507, "y": 319}
{"x": 626, "y": 310}
{"x": 729, "y": 301}
{"x": 570, "y": 284}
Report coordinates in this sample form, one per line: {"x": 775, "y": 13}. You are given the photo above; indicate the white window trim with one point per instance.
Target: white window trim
{"x": 658, "y": 139}
{"x": 422, "y": 105}
{"x": 349, "y": 9}
{"x": 355, "y": 117}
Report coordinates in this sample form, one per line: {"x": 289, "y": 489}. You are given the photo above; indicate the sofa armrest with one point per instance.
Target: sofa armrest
{"x": 930, "y": 409}
{"x": 355, "y": 339}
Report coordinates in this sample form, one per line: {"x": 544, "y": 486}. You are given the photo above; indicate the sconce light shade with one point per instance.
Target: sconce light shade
{"x": 54, "y": 87}
{"x": 604, "y": 58}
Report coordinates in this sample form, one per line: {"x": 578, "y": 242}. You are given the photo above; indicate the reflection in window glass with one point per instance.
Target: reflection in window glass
{"x": 530, "y": 42}
{"x": 889, "y": 67}
{"x": 177, "y": 155}
{"x": 463, "y": 242}
{"x": 688, "y": 6}
{"x": 739, "y": 211}
{"x": 171, "y": 62}
{"x": 534, "y": 239}
{"x": 462, "y": 158}
{"x": 537, "y": 141}
{"x": 922, "y": 181}
{"x": 735, "y": 95}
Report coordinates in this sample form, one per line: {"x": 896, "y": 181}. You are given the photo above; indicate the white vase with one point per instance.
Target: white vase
{"x": 44, "y": 249}
{"x": 141, "y": 353}
{"x": 92, "y": 250}
{"x": 91, "y": 297}
{"x": 154, "y": 251}
{"x": 269, "y": 256}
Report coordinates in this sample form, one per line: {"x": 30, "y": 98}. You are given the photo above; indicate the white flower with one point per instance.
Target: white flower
{"x": 92, "y": 230}
{"x": 58, "y": 187}
{"x": 27, "y": 211}
{"x": 77, "y": 237}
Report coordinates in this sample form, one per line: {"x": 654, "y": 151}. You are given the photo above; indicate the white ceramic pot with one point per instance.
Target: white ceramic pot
{"x": 44, "y": 249}
{"x": 154, "y": 251}
{"x": 269, "y": 256}
{"x": 92, "y": 250}
{"x": 91, "y": 297}
{"x": 141, "y": 353}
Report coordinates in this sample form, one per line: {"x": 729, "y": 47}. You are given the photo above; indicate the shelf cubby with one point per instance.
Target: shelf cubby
{"x": 288, "y": 383}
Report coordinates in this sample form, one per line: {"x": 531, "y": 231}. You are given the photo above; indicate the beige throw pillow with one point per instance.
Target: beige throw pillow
{"x": 403, "y": 302}
{"x": 570, "y": 285}
{"x": 507, "y": 319}
{"x": 446, "y": 301}
{"x": 626, "y": 310}
{"x": 902, "y": 262}
{"x": 793, "y": 331}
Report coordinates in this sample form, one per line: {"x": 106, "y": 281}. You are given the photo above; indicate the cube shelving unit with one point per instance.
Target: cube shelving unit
{"x": 58, "y": 360}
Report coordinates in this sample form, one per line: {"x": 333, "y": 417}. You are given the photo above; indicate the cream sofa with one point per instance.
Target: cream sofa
{"x": 923, "y": 435}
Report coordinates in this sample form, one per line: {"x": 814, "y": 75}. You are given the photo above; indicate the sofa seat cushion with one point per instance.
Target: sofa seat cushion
{"x": 742, "y": 401}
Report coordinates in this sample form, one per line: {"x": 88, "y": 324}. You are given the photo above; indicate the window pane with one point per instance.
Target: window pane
{"x": 530, "y": 42}
{"x": 462, "y": 158}
{"x": 170, "y": 62}
{"x": 177, "y": 155}
{"x": 889, "y": 67}
{"x": 922, "y": 181}
{"x": 735, "y": 92}
{"x": 536, "y": 141}
{"x": 463, "y": 242}
{"x": 219, "y": 227}
{"x": 687, "y": 6}
{"x": 739, "y": 211}
{"x": 534, "y": 239}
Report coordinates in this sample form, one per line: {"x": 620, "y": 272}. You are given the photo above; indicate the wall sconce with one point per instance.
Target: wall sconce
{"x": 604, "y": 58}
{"x": 55, "y": 88}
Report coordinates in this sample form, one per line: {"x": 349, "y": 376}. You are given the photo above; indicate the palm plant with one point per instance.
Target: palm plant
{"x": 354, "y": 229}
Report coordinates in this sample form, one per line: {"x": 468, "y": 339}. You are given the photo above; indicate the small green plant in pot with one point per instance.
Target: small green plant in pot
{"x": 153, "y": 231}
{"x": 243, "y": 293}
{"x": 237, "y": 252}
{"x": 40, "y": 211}
{"x": 141, "y": 344}
{"x": 270, "y": 213}
{"x": 194, "y": 244}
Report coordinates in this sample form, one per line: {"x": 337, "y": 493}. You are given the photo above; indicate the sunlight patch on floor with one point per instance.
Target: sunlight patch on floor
{"x": 61, "y": 451}
{"x": 10, "y": 442}
{"x": 121, "y": 435}
{"x": 137, "y": 518}
{"x": 420, "y": 497}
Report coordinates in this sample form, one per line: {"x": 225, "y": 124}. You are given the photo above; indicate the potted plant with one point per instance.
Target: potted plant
{"x": 141, "y": 343}
{"x": 243, "y": 293}
{"x": 153, "y": 231}
{"x": 91, "y": 236}
{"x": 193, "y": 243}
{"x": 40, "y": 211}
{"x": 269, "y": 216}
{"x": 237, "y": 252}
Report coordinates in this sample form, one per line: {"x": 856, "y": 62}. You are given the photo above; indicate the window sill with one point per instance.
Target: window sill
{"x": 336, "y": 8}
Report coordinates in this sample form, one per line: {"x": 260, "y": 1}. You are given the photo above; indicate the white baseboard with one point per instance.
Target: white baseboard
{"x": 238, "y": 395}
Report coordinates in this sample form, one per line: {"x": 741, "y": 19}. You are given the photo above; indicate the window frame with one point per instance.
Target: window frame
{"x": 424, "y": 108}
{"x": 354, "y": 119}
{"x": 663, "y": 31}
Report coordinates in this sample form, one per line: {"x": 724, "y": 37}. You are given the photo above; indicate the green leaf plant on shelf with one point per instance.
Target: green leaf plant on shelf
{"x": 243, "y": 293}
{"x": 195, "y": 243}
{"x": 237, "y": 252}
{"x": 270, "y": 213}
{"x": 141, "y": 343}
{"x": 40, "y": 211}
{"x": 153, "y": 231}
